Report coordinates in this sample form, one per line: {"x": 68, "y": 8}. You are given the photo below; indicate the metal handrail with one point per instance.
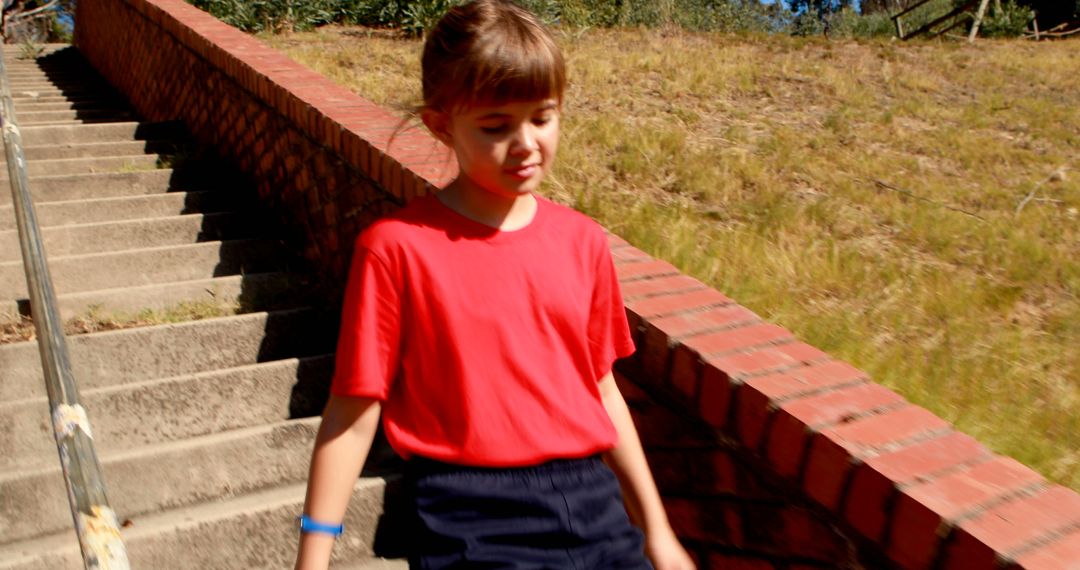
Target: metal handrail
{"x": 95, "y": 522}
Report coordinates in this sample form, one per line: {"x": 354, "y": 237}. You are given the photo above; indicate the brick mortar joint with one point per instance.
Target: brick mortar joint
{"x": 1046, "y": 539}
{"x": 742, "y": 377}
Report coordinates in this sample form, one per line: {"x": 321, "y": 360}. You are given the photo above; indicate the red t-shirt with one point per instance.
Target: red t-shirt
{"x": 485, "y": 345}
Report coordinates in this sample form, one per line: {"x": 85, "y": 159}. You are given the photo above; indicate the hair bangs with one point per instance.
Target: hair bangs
{"x": 490, "y": 52}
{"x": 516, "y": 73}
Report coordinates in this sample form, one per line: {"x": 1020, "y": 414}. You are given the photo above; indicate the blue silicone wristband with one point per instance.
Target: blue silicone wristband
{"x": 308, "y": 525}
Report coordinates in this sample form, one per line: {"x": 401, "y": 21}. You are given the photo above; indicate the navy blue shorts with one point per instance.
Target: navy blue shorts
{"x": 563, "y": 514}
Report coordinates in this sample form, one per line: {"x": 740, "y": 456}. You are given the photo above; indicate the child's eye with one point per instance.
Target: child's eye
{"x": 493, "y": 129}
{"x": 541, "y": 121}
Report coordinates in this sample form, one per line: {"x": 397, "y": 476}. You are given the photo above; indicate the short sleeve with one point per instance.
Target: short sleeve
{"x": 608, "y": 334}
{"x": 369, "y": 342}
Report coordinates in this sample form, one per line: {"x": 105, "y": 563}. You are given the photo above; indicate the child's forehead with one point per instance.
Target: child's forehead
{"x": 529, "y": 106}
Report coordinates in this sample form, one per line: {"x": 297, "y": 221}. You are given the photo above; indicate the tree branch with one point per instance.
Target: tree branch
{"x": 887, "y": 186}
{"x": 32, "y": 13}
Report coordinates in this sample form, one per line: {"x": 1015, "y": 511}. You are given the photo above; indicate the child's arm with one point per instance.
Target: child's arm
{"x": 627, "y": 460}
{"x": 345, "y": 436}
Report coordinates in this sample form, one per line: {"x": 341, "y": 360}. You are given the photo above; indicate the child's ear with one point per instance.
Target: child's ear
{"x": 438, "y": 122}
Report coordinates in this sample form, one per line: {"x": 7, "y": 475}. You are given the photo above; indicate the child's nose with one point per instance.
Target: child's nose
{"x": 524, "y": 140}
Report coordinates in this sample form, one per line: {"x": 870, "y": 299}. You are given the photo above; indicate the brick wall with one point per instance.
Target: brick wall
{"x": 769, "y": 453}
{"x": 328, "y": 161}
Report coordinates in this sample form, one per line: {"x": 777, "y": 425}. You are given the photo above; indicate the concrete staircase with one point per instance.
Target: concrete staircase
{"x": 204, "y": 427}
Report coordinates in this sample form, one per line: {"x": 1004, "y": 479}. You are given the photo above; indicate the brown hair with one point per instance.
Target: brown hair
{"x": 490, "y": 52}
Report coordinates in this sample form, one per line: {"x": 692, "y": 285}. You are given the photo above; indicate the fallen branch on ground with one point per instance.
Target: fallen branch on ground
{"x": 1057, "y": 174}
{"x": 887, "y": 186}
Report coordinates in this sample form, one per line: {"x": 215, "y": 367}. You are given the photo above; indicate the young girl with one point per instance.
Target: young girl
{"x": 483, "y": 323}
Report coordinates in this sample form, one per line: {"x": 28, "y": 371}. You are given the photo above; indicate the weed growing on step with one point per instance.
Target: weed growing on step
{"x": 96, "y": 320}
{"x": 866, "y": 195}
{"x": 30, "y": 50}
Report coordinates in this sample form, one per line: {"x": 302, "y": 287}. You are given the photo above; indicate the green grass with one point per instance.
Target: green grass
{"x": 864, "y": 194}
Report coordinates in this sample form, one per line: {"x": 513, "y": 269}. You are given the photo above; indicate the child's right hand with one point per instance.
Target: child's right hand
{"x": 666, "y": 553}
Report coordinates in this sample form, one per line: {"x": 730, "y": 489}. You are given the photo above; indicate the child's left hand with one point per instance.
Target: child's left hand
{"x": 666, "y": 553}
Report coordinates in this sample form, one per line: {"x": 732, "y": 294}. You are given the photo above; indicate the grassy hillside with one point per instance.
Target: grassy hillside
{"x": 910, "y": 208}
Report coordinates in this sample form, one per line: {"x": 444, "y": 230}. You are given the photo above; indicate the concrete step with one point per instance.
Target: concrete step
{"x": 91, "y": 105}
{"x": 82, "y": 239}
{"x": 119, "y": 357}
{"x": 112, "y": 132}
{"x": 33, "y": 502}
{"x": 100, "y": 149}
{"x": 25, "y": 118}
{"x": 31, "y": 98}
{"x": 29, "y": 79}
{"x": 117, "y": 209}
{"x": 86, "y": 165}
{"x": 151, "y": 412}
{"x": 103, "y": 185}
{"x": 234, "y": 293}
{"x": 51, "y": 91}
{"x": 156, "y": 265}
{"x": 249, "y": 532}
{"x": 36, "y": 72}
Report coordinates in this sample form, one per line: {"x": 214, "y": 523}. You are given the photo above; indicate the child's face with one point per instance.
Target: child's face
{"x": 504, "y": 149}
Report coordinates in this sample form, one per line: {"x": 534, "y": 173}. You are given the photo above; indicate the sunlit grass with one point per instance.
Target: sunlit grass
{"x": 863, "y": 194}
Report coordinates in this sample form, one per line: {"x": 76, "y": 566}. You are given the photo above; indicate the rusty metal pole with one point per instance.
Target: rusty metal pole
{"x": 95, "y": 522}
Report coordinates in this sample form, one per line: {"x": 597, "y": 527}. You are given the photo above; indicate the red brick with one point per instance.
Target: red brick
{"x": 797, "y": 420}
{"x": 615, "y": 241}
{"x": 841, "y": 405}
{"x": 651, "y": 307}
{"x": 707, "y": 520}
{"x": 670, "y": 469}
{"x": 661, "y": 333}
{"x": 758, "y": 397}
{"x": 875, "y": 481}
{"x": 924, "y": 512}
{"x": 642, "y": 269}
{"x": 658, "y": 426}
{"x": 686, "y": 359}
{"x": 730, "y": 562}
{"x": 1012, "y": 525}
{"x": 712, "y": 344}
{"x": 795, "y": 532}
{"x": 752, "y": 411}
{"x": 762, "y": 360}
{"x": 832, "y": 450}
{"x": 700, "y": 321}
{"x": 805, "y": 380}
{"x": 659, "y": 286}
{"x": 714, "y": 398}
{"x": 630, "y": 391}
{"x": 717, "y": 472}
{"x": 1062, "y": 553}
{"x": 628, "y": 254}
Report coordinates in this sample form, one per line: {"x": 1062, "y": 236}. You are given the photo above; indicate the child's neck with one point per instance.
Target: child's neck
{"x": 505, "y": 213}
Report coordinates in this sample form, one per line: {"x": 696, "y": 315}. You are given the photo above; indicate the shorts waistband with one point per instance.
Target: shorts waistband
{"x": 422, "y": 466}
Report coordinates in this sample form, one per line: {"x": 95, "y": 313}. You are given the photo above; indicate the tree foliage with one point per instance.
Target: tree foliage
{"x": 840, "y": 18}
{"x": 37, "y": 20}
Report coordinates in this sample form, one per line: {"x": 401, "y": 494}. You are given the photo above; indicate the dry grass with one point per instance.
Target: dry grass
{"x": 866, "y": 195}
{"x": 94, "y": 320}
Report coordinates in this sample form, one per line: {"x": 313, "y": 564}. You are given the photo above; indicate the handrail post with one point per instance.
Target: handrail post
{"x": 95, "y": 522}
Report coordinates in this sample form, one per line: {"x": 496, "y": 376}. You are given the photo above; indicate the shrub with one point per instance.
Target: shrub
{"x": 271, "y": 15}
{"x": 1009, "y": 22}
{"x": 848, "y": 24}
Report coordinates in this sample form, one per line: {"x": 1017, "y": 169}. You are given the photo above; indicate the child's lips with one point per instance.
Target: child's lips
{"x": 523, "y": 171}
